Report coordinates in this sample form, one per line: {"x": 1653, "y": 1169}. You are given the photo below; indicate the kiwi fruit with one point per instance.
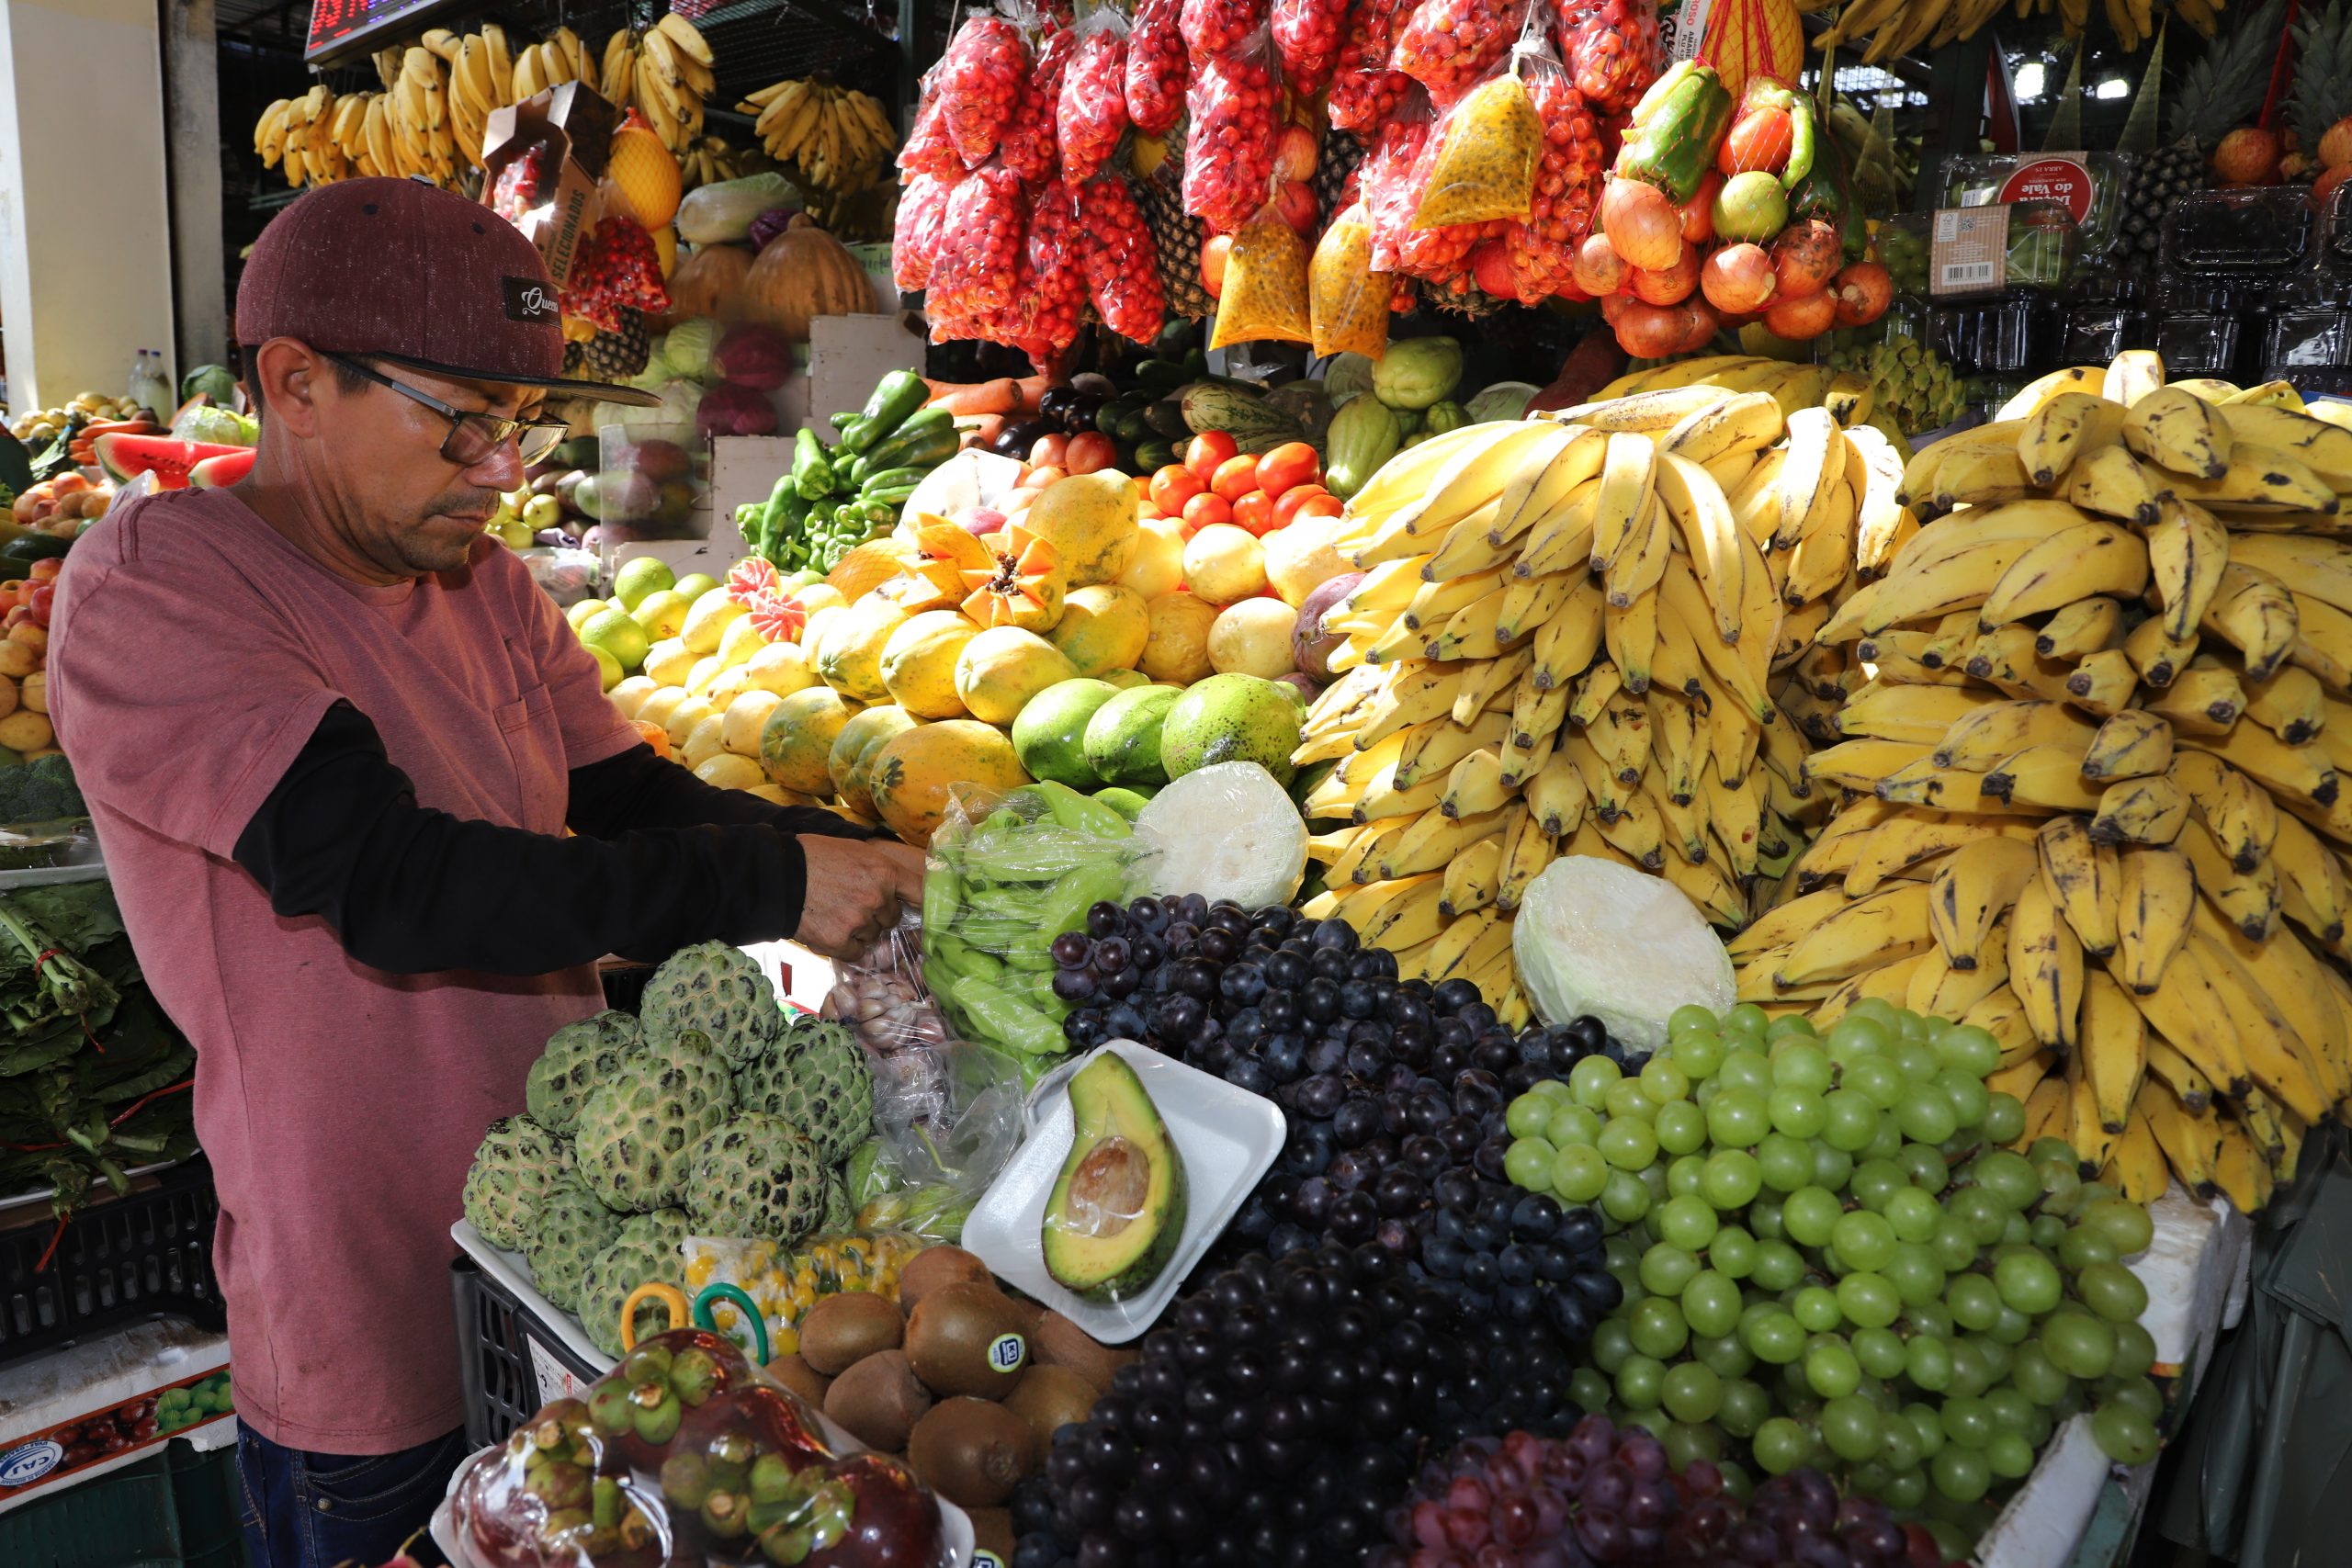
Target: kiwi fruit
{"x": 1058, "y": 1342}
{"x": 971, "y": 1451}
{"x": 935, "y": 1266}
{"x": 843, "y": 1330}
{"x": 965, "y": 1339}
{"x": 992, "y": 1532}
{"x": 799, "y": 1377}
{"x": 878, "y": 1401}
{"x": 1025, "y": 1313}
{"x": 1050, "y": 1398}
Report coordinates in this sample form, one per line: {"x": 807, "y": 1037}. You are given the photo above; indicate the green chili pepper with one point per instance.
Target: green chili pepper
{"x": 896, "y": 397}
{"x": 1007, "y": 1020}
{"x": 1803, "y": 128}
{"x": 940, "y": 898}
{"x": 1081, "y": 812}
{"x": 812, "y": 473}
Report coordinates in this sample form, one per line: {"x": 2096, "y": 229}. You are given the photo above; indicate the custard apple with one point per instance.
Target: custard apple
{"x": 518, "y": 1164}
{"x": 637, "y": 1127}
{"x": 756, "y": 1177}
{"x": 817, "y": 1078}
{"x": 646, "y": 1249}
{"x": 718, "y": 990}
{"x": 572, "y": 1226}
{"x": 578, "y": 1057}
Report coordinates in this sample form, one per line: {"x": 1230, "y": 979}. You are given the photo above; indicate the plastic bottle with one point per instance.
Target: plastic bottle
{"x": 149, "y": 387}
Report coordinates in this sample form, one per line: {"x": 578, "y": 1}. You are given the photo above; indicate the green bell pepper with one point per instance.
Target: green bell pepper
{"x": 813, "y": 472}
{"x": 896, "y": 397}
{"x": 924, "y": 441}
{"x": 1675, "y": 126}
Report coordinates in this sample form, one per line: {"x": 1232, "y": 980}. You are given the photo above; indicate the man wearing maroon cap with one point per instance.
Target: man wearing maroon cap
{"x": 331, "y": 737}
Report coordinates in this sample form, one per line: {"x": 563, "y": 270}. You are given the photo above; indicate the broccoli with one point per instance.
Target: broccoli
{"x": 40, "y": 791}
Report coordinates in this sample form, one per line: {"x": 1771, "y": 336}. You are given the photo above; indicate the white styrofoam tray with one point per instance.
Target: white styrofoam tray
{"x": 1226, "y": 1137}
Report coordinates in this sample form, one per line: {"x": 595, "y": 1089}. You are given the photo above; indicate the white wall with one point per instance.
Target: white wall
{"x": 85, "y": 276}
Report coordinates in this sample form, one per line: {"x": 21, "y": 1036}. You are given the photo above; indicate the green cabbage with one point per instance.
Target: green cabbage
{"x": 217, "y": 427}
{"x": 687, "y": 349}
{"x": 211, "y": 380}
{"x": 1504, "y": 399}
{"x": 1596, "y": 937}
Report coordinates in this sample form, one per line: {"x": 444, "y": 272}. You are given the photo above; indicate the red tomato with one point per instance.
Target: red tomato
{"x": 1760, "y": 141}
{"x": 1292, "y": 502}
{"x": 1090, "y": 452}
{"x": 1173, "y": 486}
{"x": 1206, "y": 451}
{"x": 1255, "y": 512}
{"x": 1203, "y": 510}
{"x": 1321, "y": 506}
{"x": 1053, "y": 449}
{"x": 1235, "y": 477}
{"x": 1291, "y": 464}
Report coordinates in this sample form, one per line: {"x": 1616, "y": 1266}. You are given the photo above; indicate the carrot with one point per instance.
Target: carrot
{"x": 980, "y": 429}
{"x": 1032, "y": 390}
{"x": 999, "y": 396}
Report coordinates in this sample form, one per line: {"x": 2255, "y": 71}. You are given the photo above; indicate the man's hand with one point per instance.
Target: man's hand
{"x": 855, "y": 890}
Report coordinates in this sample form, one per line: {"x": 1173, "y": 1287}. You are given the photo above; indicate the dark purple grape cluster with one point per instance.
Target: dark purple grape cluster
{"x": 1273, "y": 1416}
{"x": 1603, "y": 1495}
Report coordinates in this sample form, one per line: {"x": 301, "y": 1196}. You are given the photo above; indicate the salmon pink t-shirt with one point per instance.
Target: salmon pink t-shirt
{"x": 193, "y": 652}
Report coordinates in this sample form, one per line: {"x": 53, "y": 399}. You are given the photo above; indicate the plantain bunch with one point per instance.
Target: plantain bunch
{"x": 665, "y": 73}
{"x": 839, "y": 139}
{"x": 2087, "y": 732}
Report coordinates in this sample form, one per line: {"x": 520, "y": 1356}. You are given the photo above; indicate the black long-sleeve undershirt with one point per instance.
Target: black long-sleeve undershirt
{"x": 660, "y": 860}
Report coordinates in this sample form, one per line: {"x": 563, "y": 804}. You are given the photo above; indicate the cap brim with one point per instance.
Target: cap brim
{"x": 599, "y": 391}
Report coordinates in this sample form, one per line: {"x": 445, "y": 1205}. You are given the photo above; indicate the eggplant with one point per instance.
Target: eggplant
{"x": 1079, "y": 417}
{"x": 1055, "y": 402}
{"x": 1088, "y": 383}
{"x": 1014, "y": 440}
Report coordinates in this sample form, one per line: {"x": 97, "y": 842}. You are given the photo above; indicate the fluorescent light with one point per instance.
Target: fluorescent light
{"x": 2029, "y": 79}
{"x": 2113, "y": 88}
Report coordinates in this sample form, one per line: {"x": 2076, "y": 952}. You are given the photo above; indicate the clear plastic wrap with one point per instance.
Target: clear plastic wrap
{"x": 1008, "y": 874}
{"x": 914, "y": 235}
{"x": 1541, "y": 248}
{"x": 1032, "y": 144}
{"x": 1229, "y": 151}
{"x": 687, "y": 1451}
{"x": 929, "y": 148}
{"x": 783, "y": 1283}
{"x": 949, "y": 1120}
{"x": 1365, "y": 89}
{"x": 1611, "y": 49}
{"x": 1212, "y": 27}
{"x": 1447, "y": 45}
{"x": 883, "y": 998}
{"x": 1306, "y": 40}
{"x": 1050, "y": 297}
{"x": 978, "y": 267}
{"x": 1264, "y": 298}
{"x": 981, "y": 78}
{"x": 1347, "y": 302}
{"x": 1156, "y": 67}
{"x": 1093, "y": 111}
{"x": 1121, "y": 260}
{"x": 1487, "y": 148}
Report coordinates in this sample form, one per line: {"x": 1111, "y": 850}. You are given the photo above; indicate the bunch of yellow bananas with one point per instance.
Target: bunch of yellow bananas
{"x": 840, "y": 138}
{"x": 665, "y": 73}
{"x": 2091, "y": 730}
{"x": 1850, "y": 397}
{"x": 419, "y": 125}
{"x": 304, "y": 136}
{"x": 1565, "y": 642}
{"x": 708, "y": 160}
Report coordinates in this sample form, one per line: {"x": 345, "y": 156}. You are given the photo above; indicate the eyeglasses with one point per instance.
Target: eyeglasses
{"x": 473, "y": 436}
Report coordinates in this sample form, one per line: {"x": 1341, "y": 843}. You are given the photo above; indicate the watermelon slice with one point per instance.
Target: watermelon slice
{"x": 215, "y": 473}
{"x": 125, "y": 458}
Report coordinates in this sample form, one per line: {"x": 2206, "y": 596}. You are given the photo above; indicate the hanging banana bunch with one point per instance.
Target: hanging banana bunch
{"x": 707, "y": 160}
{"x": 842, "y": 140}
{"x": 665, "y": 73}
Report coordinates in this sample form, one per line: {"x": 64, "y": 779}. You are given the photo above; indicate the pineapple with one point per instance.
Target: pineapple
{"x": 611, "y": 357}
{"x": 2223, "y": 89}
{"x": 2321, "y": 93}
{"x": 1177, "y": 237}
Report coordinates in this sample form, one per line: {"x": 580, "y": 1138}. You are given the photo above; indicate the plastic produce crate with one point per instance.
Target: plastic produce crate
{"x": 178, "y": 1509}
{"x": 508, "y": 1360}
{"x": 123, "y": 1257}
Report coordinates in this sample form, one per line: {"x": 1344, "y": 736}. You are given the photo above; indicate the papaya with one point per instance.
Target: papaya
{"x": 913, "y": 774}
{"x": 798, "y": 736}
{"x": 919, "y": 662}
{"x": 850, "y": 659}
{"x": 864, "y": 735}
{"x": 1002, "y": 668}
{"x": 1090, "y": 521}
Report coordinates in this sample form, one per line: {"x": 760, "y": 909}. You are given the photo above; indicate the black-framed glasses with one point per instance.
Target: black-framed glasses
{"x": 473, "y": 435}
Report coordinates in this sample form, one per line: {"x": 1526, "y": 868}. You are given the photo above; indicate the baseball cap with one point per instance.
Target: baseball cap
{"x": 408, "y": 272}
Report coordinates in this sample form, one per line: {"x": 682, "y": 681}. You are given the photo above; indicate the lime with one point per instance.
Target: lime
{"x": 617, "y": 635}
{"x": 580, "y": 614}
{"x": 640, "y": 578}
{"x": 694, "y": 585}
{"x": 610, "y": 667}
{"x": 663, "y": 612}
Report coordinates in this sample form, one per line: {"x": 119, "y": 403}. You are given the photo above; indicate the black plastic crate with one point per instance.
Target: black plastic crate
{"x": 495, "y": 1335}
{"x": 120, "y": 1259}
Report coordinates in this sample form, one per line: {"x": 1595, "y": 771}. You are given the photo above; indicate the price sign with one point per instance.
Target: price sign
{"x": 340, "y": 27}
{"x": 2052, "y": 179}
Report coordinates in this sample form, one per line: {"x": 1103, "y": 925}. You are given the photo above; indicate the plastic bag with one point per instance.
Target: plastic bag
{"x": 1306, "y": 40}
{"x": 1092, "y": 113}
{"x": 1212, "y": 27}
{"x": 979, "y": 266}
{"x": 1032, "y": 149}
{"x": 1229, "y": 151}
{"x": 1265, "y": 286}
{"x": 1612, "y": 50}
{"x": 1393, "y": 177}
{"x": 928, "y": 151}
{"x": 617, "y": 269}
{"x": 1008, "y": 874}
{"x": 721, "y": 213}
{"x": 981, "y": 76}
{"x": 784, "y": 1282}
{"x": 684, "y": 1440}
{"x": 1121, "y": 260}
{"x": 1486, "y": 152}
{"x": 882, "y": 997}
{"x": 1365, "y": 89}
{"x": 1540, "y": 249}
{"x": 1347, "y": 302}
{"x": 1447, "y": 45}
{"x": 1156, "y": 67}
{"x": 914, "y": 234}
{"x": 946, "y": 1127}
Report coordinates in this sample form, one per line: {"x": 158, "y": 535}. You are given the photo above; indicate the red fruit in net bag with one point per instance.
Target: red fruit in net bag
{"x": 1092, "y": 112}
{"x": 1446, "y": 45}
{"x": 1156, "y": 67}
{"x": 929, "y": 148}
{"x": 617, "y": 269}
{"x": 1364, "y": 88}
{"x": 1032, "y": 141}
{"x": 1306, "y": 36}
{"x": 1567, "y": 186}
{"x": 1229, "y": 152}
{"x": 1122, "y": 261}
{"x": 979, "y": 260}
{"x": 1212, "y": 27}
{"x": 982, "y": 75}
{"x": 914, "y": 239}
{"x": 1051, "y": 296}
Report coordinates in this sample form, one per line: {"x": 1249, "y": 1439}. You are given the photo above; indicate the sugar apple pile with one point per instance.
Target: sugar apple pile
{"x": 1916, "y": 389}
{"x": 646, "y": 1249}
{"x": 518, "y": 1164}
{"x": 717, "y": 991}
{"x": 639, "y": 1127}
{"x": 817, "y": 1078}
{"x": 578, "y": 1057}
{"x": 572, "y": 1228}
{"x": 757, "y": 1177}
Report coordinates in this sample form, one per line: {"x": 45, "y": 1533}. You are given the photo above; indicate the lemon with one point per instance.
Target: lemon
{"x": 587, "y": 610}
{"x": 663, "y": 614}
{"x": 618, "y": 636}
{"x": 640, "y": 579}
{"x": 670, "y": 662}
{"x": 609, "y": 667}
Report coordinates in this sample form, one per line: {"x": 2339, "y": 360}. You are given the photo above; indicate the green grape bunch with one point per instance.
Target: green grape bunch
{"x": 1830, "y": 1257}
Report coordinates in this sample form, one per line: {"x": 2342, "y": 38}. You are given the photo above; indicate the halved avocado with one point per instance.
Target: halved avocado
{"x": 1117, "y": 1208}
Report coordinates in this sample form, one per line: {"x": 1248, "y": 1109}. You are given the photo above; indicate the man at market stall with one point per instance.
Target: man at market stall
{"x": 331, "y": 737}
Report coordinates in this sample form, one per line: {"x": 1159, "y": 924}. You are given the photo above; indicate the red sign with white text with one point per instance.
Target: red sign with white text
{"x": 2052, "y": 179}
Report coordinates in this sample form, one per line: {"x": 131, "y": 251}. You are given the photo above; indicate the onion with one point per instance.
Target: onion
{"x": 1641, "y": 223}
{"x": 1597, "y": 267}
{"x": 1805, "y": 257}
{"x": 1862, "y": 291}
{"x": 1703, "y": 325}
{"x": 1738, "y": 279}
{"x": 1654, "y": 332}
{"x": 1802, "y": 316}
{"x": 1672, "y": 284}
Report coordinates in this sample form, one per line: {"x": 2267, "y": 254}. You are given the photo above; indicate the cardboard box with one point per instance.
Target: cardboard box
{"x": 542, "y": 159}
{"x": 108, "y": 1401}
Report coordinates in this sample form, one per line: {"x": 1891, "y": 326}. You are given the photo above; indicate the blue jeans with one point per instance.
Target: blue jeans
{"x": 315, "y": 1510}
